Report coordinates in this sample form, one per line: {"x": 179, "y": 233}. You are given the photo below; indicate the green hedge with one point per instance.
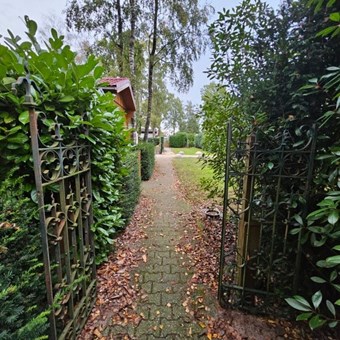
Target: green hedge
{"x": 22, "y": 285}
{"x": 68, "y": 89}
{"x": 131, "y": 186}
{"x": 147, "y": 160}
{"x": 154, "y": 140}
{"x": 199, "y": 140}
{"x": 190, "y": 140}
{"x": 179, "y": 140}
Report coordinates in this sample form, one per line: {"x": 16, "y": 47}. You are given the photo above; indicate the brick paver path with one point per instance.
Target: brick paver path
{"x": 163, "y": 278}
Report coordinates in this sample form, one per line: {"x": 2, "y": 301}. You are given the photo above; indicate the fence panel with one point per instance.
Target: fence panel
{"x": 267, "y": 185}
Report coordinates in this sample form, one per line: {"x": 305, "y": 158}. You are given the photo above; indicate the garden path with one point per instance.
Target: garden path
{"x": 163, "y": 277}
{"x": 148, "y": 288}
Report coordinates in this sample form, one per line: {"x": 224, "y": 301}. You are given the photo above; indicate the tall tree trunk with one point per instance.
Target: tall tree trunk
{"x": 132, "y": 64}
{"x": 150, "y": 73}
{"x": 120, "y": 39}
{"x": 150, "y": 94}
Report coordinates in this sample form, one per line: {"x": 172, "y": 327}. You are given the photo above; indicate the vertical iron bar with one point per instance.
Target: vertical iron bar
{"x": 80, "y": 229}
{"x": 252, "y": 165}
{"x": 89, "y": 185}
{"x": 40, "y": 196}
{"x": 281, "y": 164}
{"x": 225, "y": 208}
{"x": 65, "y": 237}
{"x": 307, "y": 189}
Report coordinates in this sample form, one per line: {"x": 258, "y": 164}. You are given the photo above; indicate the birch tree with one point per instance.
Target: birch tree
{"x": 176, "y": 38}
{"x": 137, "y": 37}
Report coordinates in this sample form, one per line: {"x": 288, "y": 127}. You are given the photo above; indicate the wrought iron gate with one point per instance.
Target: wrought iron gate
{"x": 64, "y": 195}
{"x": 267, "y": 183}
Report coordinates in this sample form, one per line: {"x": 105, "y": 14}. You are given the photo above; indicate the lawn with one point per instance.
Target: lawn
{"x": 186, "y": 151}
{"x": 190, "y": 174}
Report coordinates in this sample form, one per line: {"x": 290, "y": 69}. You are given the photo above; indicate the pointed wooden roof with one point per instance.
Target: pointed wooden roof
{"x": 122, "y": 87}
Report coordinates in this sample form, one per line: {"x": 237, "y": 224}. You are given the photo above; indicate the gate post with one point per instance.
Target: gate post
{"x": 225, "y": 211}
{"x": 248, "y": 231}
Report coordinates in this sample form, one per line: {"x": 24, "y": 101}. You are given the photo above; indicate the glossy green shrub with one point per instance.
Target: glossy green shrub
{"x": 131, "y": 186}
{"x": 68, "y": 90}
{"x": 22, "y": 286}
{"x": 147, "y": 160}
{"x": 179, "y": 140}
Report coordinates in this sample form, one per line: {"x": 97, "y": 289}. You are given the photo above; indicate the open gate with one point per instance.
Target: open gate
{"x": 64, "y": 195}
{"x": 267, "y": 183}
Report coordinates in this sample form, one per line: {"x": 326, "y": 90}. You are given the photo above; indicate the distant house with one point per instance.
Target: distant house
{"x": 152, "y": 133}
{"x": 121, "y": 87}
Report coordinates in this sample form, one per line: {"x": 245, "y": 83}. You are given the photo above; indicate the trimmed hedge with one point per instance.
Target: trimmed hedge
{"x": 131, "y": 186}
{"x": 179, "y": 140}
{"x": 154, "y": 140}
{"x": 147, "y": 159}
{"x": 190, "y": 140}
{"x": 199, "y": 140}
{"x": 22, "y": 285}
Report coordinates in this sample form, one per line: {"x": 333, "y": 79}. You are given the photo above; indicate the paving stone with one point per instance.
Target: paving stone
{"x": 162, "y": 277}
{"x": 173, "y": 278}
{"x": 147, "y": 286}
{"x": 173, "y": 254}
{"x": 173, "y": 299}
{"x": 158, "y": 312}
{"x": 154, "y": 260}
{"x": 162, "y": 253}
{"x": 173, "y": 327}
{"x": 177, "y": 269}
{"x": 169, "y": 337}
{"x": 162, "y": 287}
{"x": 154, "y": 298}
{"x": 170, "y": 260}
{"x": 152, "y": 277}
{"x": 148, "y": 327}
{"x": 161, "y": 269}
{"x": 119, "y": 331}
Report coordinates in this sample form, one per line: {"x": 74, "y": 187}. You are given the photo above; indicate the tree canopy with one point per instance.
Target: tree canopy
{"x": 136, "y": 38}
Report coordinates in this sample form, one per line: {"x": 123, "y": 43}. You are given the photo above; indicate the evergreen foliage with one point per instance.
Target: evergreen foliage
{"x": 147, "y": 160}
{"x": 199, "y": 139}
{"x": 154, "y": 140}
{"x": 22, "y": 285}
{"x": 131, "y": 186}
{"x": 179, "y": 140}
{"x": 190, "y": 140}
{"x": 68, "y": 89}
{"x": 280, "y": 70}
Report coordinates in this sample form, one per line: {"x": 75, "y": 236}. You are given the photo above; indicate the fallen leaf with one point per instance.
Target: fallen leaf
{"x": 97, "y": 333}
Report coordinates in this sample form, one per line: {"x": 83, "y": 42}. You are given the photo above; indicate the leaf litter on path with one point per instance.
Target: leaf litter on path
{"x": 117, "y": 290}
{"x": 201, "y": 243}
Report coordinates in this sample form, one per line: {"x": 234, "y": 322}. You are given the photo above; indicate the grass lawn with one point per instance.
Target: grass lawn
{"x": 186, "y": 151}
{"x": 190, "y": 173}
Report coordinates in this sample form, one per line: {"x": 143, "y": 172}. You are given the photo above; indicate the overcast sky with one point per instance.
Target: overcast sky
{"x": 13, "y": 11}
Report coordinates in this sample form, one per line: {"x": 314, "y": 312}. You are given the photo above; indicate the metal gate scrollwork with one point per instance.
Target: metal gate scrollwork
{"x": 267, "y": 184}
{"x": 63, "y": 187}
